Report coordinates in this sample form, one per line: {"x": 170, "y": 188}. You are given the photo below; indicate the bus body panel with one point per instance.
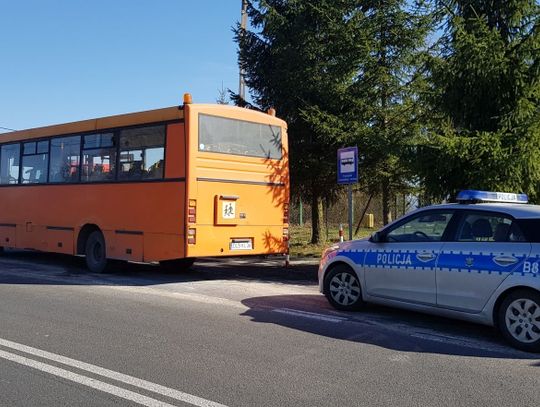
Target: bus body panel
{"x": 145, "y": 218}
{"x": 175, "y": 152}
{"x": 259, "y": 188}
{"x": 258, "y": 219}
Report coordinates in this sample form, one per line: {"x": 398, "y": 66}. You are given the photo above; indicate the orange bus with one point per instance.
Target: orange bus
{"x": 165, "y": 185}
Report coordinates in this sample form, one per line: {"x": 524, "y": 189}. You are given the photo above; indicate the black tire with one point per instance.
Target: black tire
{"x": 519, "y": 320}
{"x": 96, "y": 252}
{"x": 342, "y": 289}
{"x": 177, "y": 265}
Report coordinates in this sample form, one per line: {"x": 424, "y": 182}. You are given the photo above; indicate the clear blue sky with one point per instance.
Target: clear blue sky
{"x": 67, "y": 60}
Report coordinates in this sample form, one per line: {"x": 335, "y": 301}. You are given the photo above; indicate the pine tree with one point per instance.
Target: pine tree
{"x": 388, "y": 83}
{"x": 382, "y": 114}
{"x": 484, "y": 131}
{"x": 299, "y": 55}
{"x": 222, "y": 98}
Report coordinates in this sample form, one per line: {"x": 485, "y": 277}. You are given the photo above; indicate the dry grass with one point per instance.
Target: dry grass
{"x": 300, "y": 245}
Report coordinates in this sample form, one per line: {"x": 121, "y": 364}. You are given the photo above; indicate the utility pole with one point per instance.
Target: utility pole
{"x": 243, "y": 25}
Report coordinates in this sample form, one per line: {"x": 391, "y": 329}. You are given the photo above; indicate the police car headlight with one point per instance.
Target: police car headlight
{"x": 329, "y": 251}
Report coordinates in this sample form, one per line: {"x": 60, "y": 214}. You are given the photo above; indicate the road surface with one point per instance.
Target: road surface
{"x": 233, "y": 333}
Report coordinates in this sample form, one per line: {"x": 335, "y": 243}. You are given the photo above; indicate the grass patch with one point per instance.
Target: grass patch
{"x": 300, "y": 245}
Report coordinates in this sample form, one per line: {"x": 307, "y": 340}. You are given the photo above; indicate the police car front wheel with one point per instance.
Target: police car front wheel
{"x": 519, "y": 319}
{"x": 342, "y": 288}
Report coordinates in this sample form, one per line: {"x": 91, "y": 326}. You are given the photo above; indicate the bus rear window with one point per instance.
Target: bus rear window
{"x": 238, "y": 137}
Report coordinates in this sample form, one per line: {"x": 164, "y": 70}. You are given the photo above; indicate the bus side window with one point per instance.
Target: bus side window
{"x": 65, "y": 157}
{"x": 35, "y": 162}
{"x": 99, "y": 158}
{"x": 9, "y": 163}
{"x": 142, "y": 153}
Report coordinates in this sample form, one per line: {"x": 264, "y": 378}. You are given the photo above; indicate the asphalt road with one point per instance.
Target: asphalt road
{"x": 233, "y": 333}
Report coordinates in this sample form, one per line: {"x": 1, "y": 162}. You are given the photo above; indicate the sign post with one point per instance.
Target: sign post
{"x": 347, "y": 170}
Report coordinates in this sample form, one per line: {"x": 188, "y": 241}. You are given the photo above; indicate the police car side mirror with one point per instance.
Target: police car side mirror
{"x": 376, "y": 237}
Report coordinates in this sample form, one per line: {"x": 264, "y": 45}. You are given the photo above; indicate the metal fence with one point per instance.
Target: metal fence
{"x": 336, "y": 212}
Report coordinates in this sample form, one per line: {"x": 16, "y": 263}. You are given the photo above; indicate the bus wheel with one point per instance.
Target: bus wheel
{"x": 96, "y": 253}
{"x": 177, "y": 264}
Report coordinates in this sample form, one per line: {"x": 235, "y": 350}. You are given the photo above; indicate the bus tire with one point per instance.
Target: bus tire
{"x": 96, "y": 252}
{"x": 177, "y": 264}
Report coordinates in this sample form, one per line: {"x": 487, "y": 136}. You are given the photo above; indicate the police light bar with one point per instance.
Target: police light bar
{"x": 488, "y": 196}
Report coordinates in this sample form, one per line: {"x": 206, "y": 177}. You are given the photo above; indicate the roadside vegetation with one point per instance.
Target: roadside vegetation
{"x": 300, "y": 244}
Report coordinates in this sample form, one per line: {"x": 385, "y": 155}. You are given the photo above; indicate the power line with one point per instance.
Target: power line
{"x": 7, "y": 128}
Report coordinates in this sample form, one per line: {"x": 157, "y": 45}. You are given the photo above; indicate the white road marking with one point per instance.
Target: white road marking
{"x": 465, "y": 342}
{"x": 84, "y": 281}
{"x": 434, "y": 335}
{"x": 194, "y": 297}
{"x": 110, "y": 374}
{"x": 84, "y": 380}
{"x": 400, "y": 357}
{"x": 312, "y": 315}
{"x": 73, "y": 279}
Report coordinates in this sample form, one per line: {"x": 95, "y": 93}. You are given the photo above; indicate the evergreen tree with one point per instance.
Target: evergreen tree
{"x": 382, "y": 114}
{"x": 301, "y": 54}
{"x": 389, "y": 82}
{"x": 223, "y": 98}
{"x": 484, "y": 131}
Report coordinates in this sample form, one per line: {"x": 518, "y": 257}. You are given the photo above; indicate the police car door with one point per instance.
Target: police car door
{"x": 402, "y": 266}
{"x": 488, "y": 247}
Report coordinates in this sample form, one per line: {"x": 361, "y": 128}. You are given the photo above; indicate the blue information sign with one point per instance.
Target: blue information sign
{"x": 347, "y": 165}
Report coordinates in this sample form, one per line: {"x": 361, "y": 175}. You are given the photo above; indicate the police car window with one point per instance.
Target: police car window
{"x": 530, "y": 229}
{"x": 425, "y": 227}
{"x": 478, "y": 227}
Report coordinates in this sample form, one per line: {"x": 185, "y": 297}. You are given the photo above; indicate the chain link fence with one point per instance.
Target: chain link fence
{"x": 337, "y": 212}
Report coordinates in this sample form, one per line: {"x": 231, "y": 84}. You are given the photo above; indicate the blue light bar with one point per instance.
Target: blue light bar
{"x": 472, "y": 195}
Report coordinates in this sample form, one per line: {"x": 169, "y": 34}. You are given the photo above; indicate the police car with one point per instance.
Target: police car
{"x": 476, "y": 260}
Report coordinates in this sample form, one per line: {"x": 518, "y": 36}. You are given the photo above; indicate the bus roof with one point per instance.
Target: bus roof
{"x": 121, "y": 120}
{"x": 109, "y": 122}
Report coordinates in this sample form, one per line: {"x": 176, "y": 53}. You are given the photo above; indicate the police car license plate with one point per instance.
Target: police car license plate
{"x": 241, "y": 244}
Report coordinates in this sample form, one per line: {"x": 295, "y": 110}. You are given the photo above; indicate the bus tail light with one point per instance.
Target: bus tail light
{"x": 285, "y": 234}
{"x": 285, "y": 213}
{"x": 192, "y": 236}
{"x": 192, "y": 211}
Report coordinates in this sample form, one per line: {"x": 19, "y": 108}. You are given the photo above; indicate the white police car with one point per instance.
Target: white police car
{"x": 477, "y": 260}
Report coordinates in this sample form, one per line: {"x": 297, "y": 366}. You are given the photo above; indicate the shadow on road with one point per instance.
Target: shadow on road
{"x": 389, "y": 328}
{"x": 29, "y": 267}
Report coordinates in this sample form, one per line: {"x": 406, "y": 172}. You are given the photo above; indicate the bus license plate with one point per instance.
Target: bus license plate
{"x": 245, "y": 244}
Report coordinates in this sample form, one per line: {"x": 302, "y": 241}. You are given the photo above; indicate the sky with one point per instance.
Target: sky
{"x": 69, "y": 60}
